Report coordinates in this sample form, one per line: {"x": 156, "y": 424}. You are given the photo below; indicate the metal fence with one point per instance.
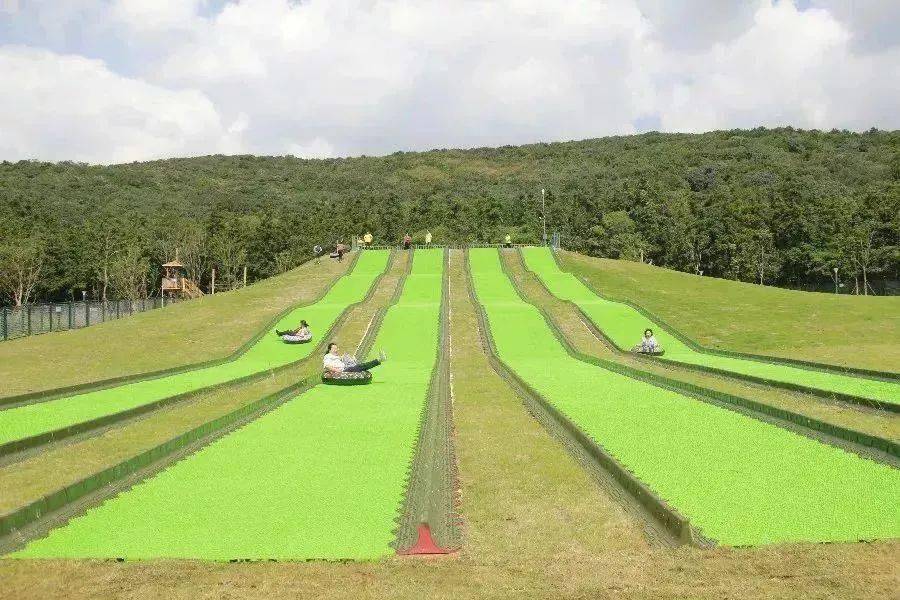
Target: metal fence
{"x": 878, "y": 287}
{"x": 32, "y": 319}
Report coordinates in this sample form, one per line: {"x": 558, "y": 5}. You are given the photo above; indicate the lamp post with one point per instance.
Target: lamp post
{"x": 544, "y": 213}
{"x": 835, "y": 280}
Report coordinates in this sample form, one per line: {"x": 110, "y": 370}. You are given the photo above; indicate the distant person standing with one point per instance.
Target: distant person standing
{"x": 507, "y": 241}
{"x": 407, "y": 242}
{"x": 368, "y": 238}
{"x": 427, "y": 238}
{"x": 340, "y": 248}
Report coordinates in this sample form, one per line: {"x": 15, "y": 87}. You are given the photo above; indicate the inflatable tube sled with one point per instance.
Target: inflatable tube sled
{"x": 352, "y": 378}
{"x": 637, "y": 350}
{"x": 289, "y": 338}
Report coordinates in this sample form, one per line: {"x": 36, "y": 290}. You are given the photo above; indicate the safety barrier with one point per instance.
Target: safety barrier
{"x": 34, "y": 319}
{"x": 430, "y": 495}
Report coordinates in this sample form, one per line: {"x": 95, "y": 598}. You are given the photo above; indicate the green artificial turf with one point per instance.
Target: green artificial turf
{"x": 741, "y": 481}
{"x": 624, "y": 326}
{"x": 267, "y": 353}
{"x": 323, "y": 476}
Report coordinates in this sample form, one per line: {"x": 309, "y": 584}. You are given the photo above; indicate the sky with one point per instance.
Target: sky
{"x": 112, "y": 81}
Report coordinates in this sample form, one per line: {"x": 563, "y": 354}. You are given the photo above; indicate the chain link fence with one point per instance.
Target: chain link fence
{"x": 32, "y": 319}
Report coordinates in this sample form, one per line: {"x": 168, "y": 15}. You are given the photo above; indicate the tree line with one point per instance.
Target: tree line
{"x": 772, "y": 206}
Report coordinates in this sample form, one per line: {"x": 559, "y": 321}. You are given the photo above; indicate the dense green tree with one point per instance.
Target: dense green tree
{"x": 779, "y": 206}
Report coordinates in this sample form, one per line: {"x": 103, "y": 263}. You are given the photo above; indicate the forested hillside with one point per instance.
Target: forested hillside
{"x": 782, "y": 206}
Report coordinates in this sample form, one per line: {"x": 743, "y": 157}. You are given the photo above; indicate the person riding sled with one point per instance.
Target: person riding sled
{"x": 648, "y": 344}
{"x": 300, "y": 335}
{"x": 335, "y": 365}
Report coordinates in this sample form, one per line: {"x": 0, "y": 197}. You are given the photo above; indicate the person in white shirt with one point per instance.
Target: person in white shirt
{"x": 648, "y": 342}
{"x": 301, "y": 334}
{"x": 334, "y": 364}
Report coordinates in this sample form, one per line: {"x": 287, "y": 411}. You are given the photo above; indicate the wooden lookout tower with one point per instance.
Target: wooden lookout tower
{"x": 174, "y": 282}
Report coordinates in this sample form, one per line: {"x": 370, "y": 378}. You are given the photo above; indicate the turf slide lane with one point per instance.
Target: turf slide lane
{"x": 624, "y": 326}
{"x": 267, "y": 353}
{"x": 321, "y": 477}
{"x": 739, "y": 480}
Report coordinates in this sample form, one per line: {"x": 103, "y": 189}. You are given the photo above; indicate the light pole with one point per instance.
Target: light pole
{"x": 835, "y": 280}
{"x": 544, "y": 213}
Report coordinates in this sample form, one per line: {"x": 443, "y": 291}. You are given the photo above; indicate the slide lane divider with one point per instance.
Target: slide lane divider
{"x": 93, "y": 386}
{"x": 37, "y": 518}
{"x": 365, "y": 344}
{"x": 830, "y": 395}
{"x": 676, "y": 526}
{"x": 862, "y": 444}
{"x": 16, "y": 447}
{"x": 431, "y": 495}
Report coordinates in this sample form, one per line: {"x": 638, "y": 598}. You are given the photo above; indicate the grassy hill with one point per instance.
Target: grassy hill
{"x": 844, "y": 330}
{"x": 537, "y": 524}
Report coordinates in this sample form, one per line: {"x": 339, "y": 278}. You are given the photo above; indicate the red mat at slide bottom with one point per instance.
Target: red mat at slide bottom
{"x": 425, "y": 544}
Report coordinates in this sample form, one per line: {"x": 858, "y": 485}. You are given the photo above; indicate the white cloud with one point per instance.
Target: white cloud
{"x": 372, "y": 77}
{"x": 70, "y": 108}
{"x": 788, "y": 68}
{"x": 871, "y": 23}
{"x": 695, "y": 25}
{"x": 340, "y": 77}
{"x": 156, "y": 15}
{"x": 315, "y": 148}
